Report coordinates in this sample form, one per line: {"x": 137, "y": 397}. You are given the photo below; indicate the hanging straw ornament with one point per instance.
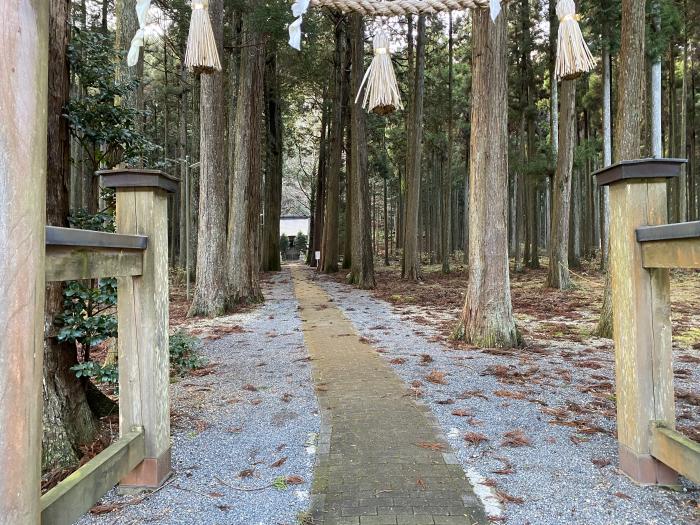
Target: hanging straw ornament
{"x": 573, "y": 55}
{"x": 201, "y": 56}
{"x": 382, "y": 94}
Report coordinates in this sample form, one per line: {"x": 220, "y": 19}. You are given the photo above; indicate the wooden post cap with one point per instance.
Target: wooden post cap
{"x": 138, "y": 178}
{"x": 640, "y": 169}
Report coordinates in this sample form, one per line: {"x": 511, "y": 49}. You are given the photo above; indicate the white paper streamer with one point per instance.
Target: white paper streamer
{"x": 299, "y": 9}
{"x": 137, "y": 42}
{"x": 495, "y": 6}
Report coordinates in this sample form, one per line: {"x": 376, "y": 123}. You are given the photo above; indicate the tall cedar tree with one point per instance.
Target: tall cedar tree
{"x": 411, "y": 252}
{"x": 628, "y": 140}
{"x": 362, "y": 269}
{"x": 329, "y": 252}
{"x": 68, "y": 421}
{"x": 210, "y": 284}
{"x": 273, "y": 166}
{"x": 561, "y": 190}
{"x": 487, "y": 318}
{"x": 244, "y": 190}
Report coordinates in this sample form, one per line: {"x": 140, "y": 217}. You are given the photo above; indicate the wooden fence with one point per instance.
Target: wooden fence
{"x": 138, "y": 256}
{"x": 643, "y": 249}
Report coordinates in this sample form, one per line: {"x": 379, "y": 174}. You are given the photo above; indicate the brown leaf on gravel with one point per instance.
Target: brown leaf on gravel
{"x": 689, "y": 359}
{"x": 436, "y": 377}
{"x": 279, "y": 462}
{"x": 256, "y": 402}
{"x": 516, "y": 438}
{"x": 397, "y": 361}
{"x": 294, "y": 480}
{"x": 426, "y": 359}
{"x": 287, "y": 397}
{"x": 234, "y": 430}
{"x": 475, "y": 438}
{"x": 622, "y": 495}
{"x": 247, "y": 473}
{"x": 509, "y": 394}
{"x": 366, "y": 340}
{"x": 462, "y": 412}
{"x": 249, "y": 388}
{"x": 467, "y": 394}
{"x": 216, "y": 494}
{"x": 416, "y": 384}
{"x": 447, "y": 401}
{"x": 421, "y": 484}
{"x": 601, "y": 462}
{"x": 504, "y": 497}
{"x": 439, "y": 447}
{"x": 98, "y": 510}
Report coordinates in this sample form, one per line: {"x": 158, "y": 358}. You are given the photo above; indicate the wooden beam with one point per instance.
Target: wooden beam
{"x": 92, "y": 239}
{"x": 639, "y": 170}
{"x": 668, "y": 232}
{"x": 24, "y": 32}
{"x": 75, "y": 495}
{"x": 64, "y": 263}
{"x": 677, "y": 451}
{"x": 681, "y": 253}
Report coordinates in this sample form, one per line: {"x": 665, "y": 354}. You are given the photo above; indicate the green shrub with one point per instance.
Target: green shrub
{"x": 184, "y": 353}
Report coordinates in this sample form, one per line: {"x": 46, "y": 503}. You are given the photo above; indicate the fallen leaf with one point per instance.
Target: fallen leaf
{"x": 436, "y": 377}
{"x": 294, "y": 480}
{"x": 516, "y": 438}
{"x": 475, "y": 438}
{"x": 432, "y": 446}
{"x": 462, "y": 412}
{"x": 278, "y": 463}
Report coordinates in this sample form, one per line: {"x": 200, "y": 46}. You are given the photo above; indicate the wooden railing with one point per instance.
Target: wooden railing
{"x": 138, "y": 256}
{"x": 643, "y": 249}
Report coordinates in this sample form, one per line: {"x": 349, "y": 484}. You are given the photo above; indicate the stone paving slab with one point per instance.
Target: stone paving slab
{"x": 381, "y": 456}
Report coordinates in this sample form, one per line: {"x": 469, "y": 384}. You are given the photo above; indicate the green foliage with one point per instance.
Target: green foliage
{"x": 184, "y": 353}
{"x": 104, "y": 128}
{"x": 85, "y": 319}
{"x": 302, "y": 242}
{"x": 101, "y": 374}
{"x": 284, "y": 243}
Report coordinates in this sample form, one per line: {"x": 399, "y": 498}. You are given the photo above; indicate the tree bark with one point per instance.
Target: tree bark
{"x": 320, "y": 197}
{"x": 411, "y": 253}
{"x": 362, "y": 269}
{"x": 558, "y": 276}
{"x": 68, "y": 421}
{"x": 329, "y": 252}
{"x": 447, "y": 173}
{"x": 631, "y": 77}
{"x": 273, "y": 163}
{"x": 244, "y": 191}
{"x": 210, "y": 284}
{"x": 487, "y": 318}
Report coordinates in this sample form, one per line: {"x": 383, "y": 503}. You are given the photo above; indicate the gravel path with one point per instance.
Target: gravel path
{"x": 256, "y": 408}
{"x": 558, "y": 464}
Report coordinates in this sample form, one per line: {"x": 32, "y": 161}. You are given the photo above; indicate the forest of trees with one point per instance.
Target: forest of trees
{"x": 490, "y": 163}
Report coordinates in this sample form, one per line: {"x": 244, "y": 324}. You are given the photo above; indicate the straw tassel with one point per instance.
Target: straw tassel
{"x": 573, "y": 55}
{"x": 382, "y": 94}
{"x": 202, "y": 55}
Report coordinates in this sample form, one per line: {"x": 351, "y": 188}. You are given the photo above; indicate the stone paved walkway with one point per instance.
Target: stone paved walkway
{"x": 371, "y": 467}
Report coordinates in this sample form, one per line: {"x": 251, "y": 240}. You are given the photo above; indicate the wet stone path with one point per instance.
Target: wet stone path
{"x": 381, "y": 456}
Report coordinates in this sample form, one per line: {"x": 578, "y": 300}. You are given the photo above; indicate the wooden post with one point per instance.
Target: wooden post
{"x": 24, "y": 29}
{"x": 641, "y": 315}
{"x": 144, "y": 360}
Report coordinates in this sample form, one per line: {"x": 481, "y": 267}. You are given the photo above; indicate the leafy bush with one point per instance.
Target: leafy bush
{"x": 101, "y": 374}
{"x": 84, "y": 319}
{"x": 302, "y": 242}
{"x": 284, "y": 243}
{"x": 184, "y": 353}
